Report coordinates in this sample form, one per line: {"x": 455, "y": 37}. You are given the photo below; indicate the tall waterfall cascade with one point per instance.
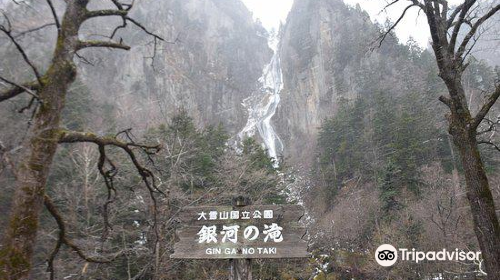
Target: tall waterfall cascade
{"x": 262, "y": 105}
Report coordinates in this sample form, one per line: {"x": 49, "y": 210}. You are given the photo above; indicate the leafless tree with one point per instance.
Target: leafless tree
{"x": 454, "y": 32}
{"x": 47, "y": 93}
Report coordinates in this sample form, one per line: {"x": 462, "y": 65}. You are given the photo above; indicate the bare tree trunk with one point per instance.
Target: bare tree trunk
{"x": 20, "y": 237}
{"x": 479, "y": 195}
{"x": 481, "y": 201}
{"x": 31, "y": 179}
{"x": 463, "y": 126}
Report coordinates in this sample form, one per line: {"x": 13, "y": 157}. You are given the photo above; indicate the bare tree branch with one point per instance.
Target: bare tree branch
{"x": 390, "y": 4}
{"x": 122, "y": 11}
{"x": 453, "y": 15}
{"x": 83, "y": 59}
{"x": 136, "y": 23}
{"x": 495, "y": 146}
{"x": 20, "y": 34}
{"x": 18, "y": 89}
{"x": 123, "y": 25}
{"x": 108, "y": 176}
{"x": 474, "y": 29}
{"x": 8, "y": 31}
{"x": 446, "y": 100}
{"x": 63, "y": 239}
{"x": 147, "y": 175}
{"x": 385, "y": 33}
{"x": 123, "y": 6}
{"x": 54, "y": 14}
{"x": 486, "y": 108}
{"x": 464, "y": 8}
{"x": 492, "y": 126}
{"x": 101, "y": 44}
{"x": 104, "y": 13}
{"x": 418, "y": 4}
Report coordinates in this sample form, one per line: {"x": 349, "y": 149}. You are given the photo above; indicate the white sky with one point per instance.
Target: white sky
{"x": 271, "y": 12}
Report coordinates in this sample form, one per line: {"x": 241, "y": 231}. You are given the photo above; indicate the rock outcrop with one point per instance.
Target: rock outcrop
{"x": 213, "y": 58}
{"x": 329, "y": 54}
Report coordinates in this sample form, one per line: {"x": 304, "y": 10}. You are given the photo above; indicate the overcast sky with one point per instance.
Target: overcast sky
{"x": 271, "y": 12}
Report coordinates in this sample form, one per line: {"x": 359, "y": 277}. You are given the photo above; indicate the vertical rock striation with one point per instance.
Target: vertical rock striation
{"x": 327, "y": 56}
{"x": 212, "y": 63}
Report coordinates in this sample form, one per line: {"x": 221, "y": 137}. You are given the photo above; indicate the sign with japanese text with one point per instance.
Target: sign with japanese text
{"x": 249, "y": 232}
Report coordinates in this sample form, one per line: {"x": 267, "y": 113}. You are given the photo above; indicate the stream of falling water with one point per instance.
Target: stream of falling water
{"x": 262, "y": 105}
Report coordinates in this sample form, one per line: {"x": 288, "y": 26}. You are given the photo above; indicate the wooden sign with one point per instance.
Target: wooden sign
{"x": 248, "y": 232}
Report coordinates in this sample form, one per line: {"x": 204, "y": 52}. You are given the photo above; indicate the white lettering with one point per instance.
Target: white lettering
{"x": 230, "y": 251}
{"x": 273, "y": 232}
{"x": 235, "y": 215}
{"x": 212, "y": 215}
{"x": 213, "y": 251}
{"x": 224, "y": 215}
{"x": 207, "y": 234}
{"x": 268, "y": 214}
{"x": 202, "y": 215}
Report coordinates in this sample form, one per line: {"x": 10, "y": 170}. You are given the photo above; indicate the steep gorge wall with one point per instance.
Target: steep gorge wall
{"x": 327, "y": 56}
{"x": 212, "y": 58}
{"x": 213, "y": 61}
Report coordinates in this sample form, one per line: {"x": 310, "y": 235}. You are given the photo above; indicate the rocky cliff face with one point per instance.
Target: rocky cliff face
{"x": 309, "y": 44}
{"x": 213, "y": 59}
{"x": 214, "y": 56}
{"x": 327, "y": 53}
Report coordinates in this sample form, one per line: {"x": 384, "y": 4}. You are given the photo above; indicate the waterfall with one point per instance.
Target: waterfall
{"x": 262, "y": 105}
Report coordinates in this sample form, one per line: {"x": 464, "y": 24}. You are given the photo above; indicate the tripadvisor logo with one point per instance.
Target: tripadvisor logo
{"x": 387, "y": 255}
